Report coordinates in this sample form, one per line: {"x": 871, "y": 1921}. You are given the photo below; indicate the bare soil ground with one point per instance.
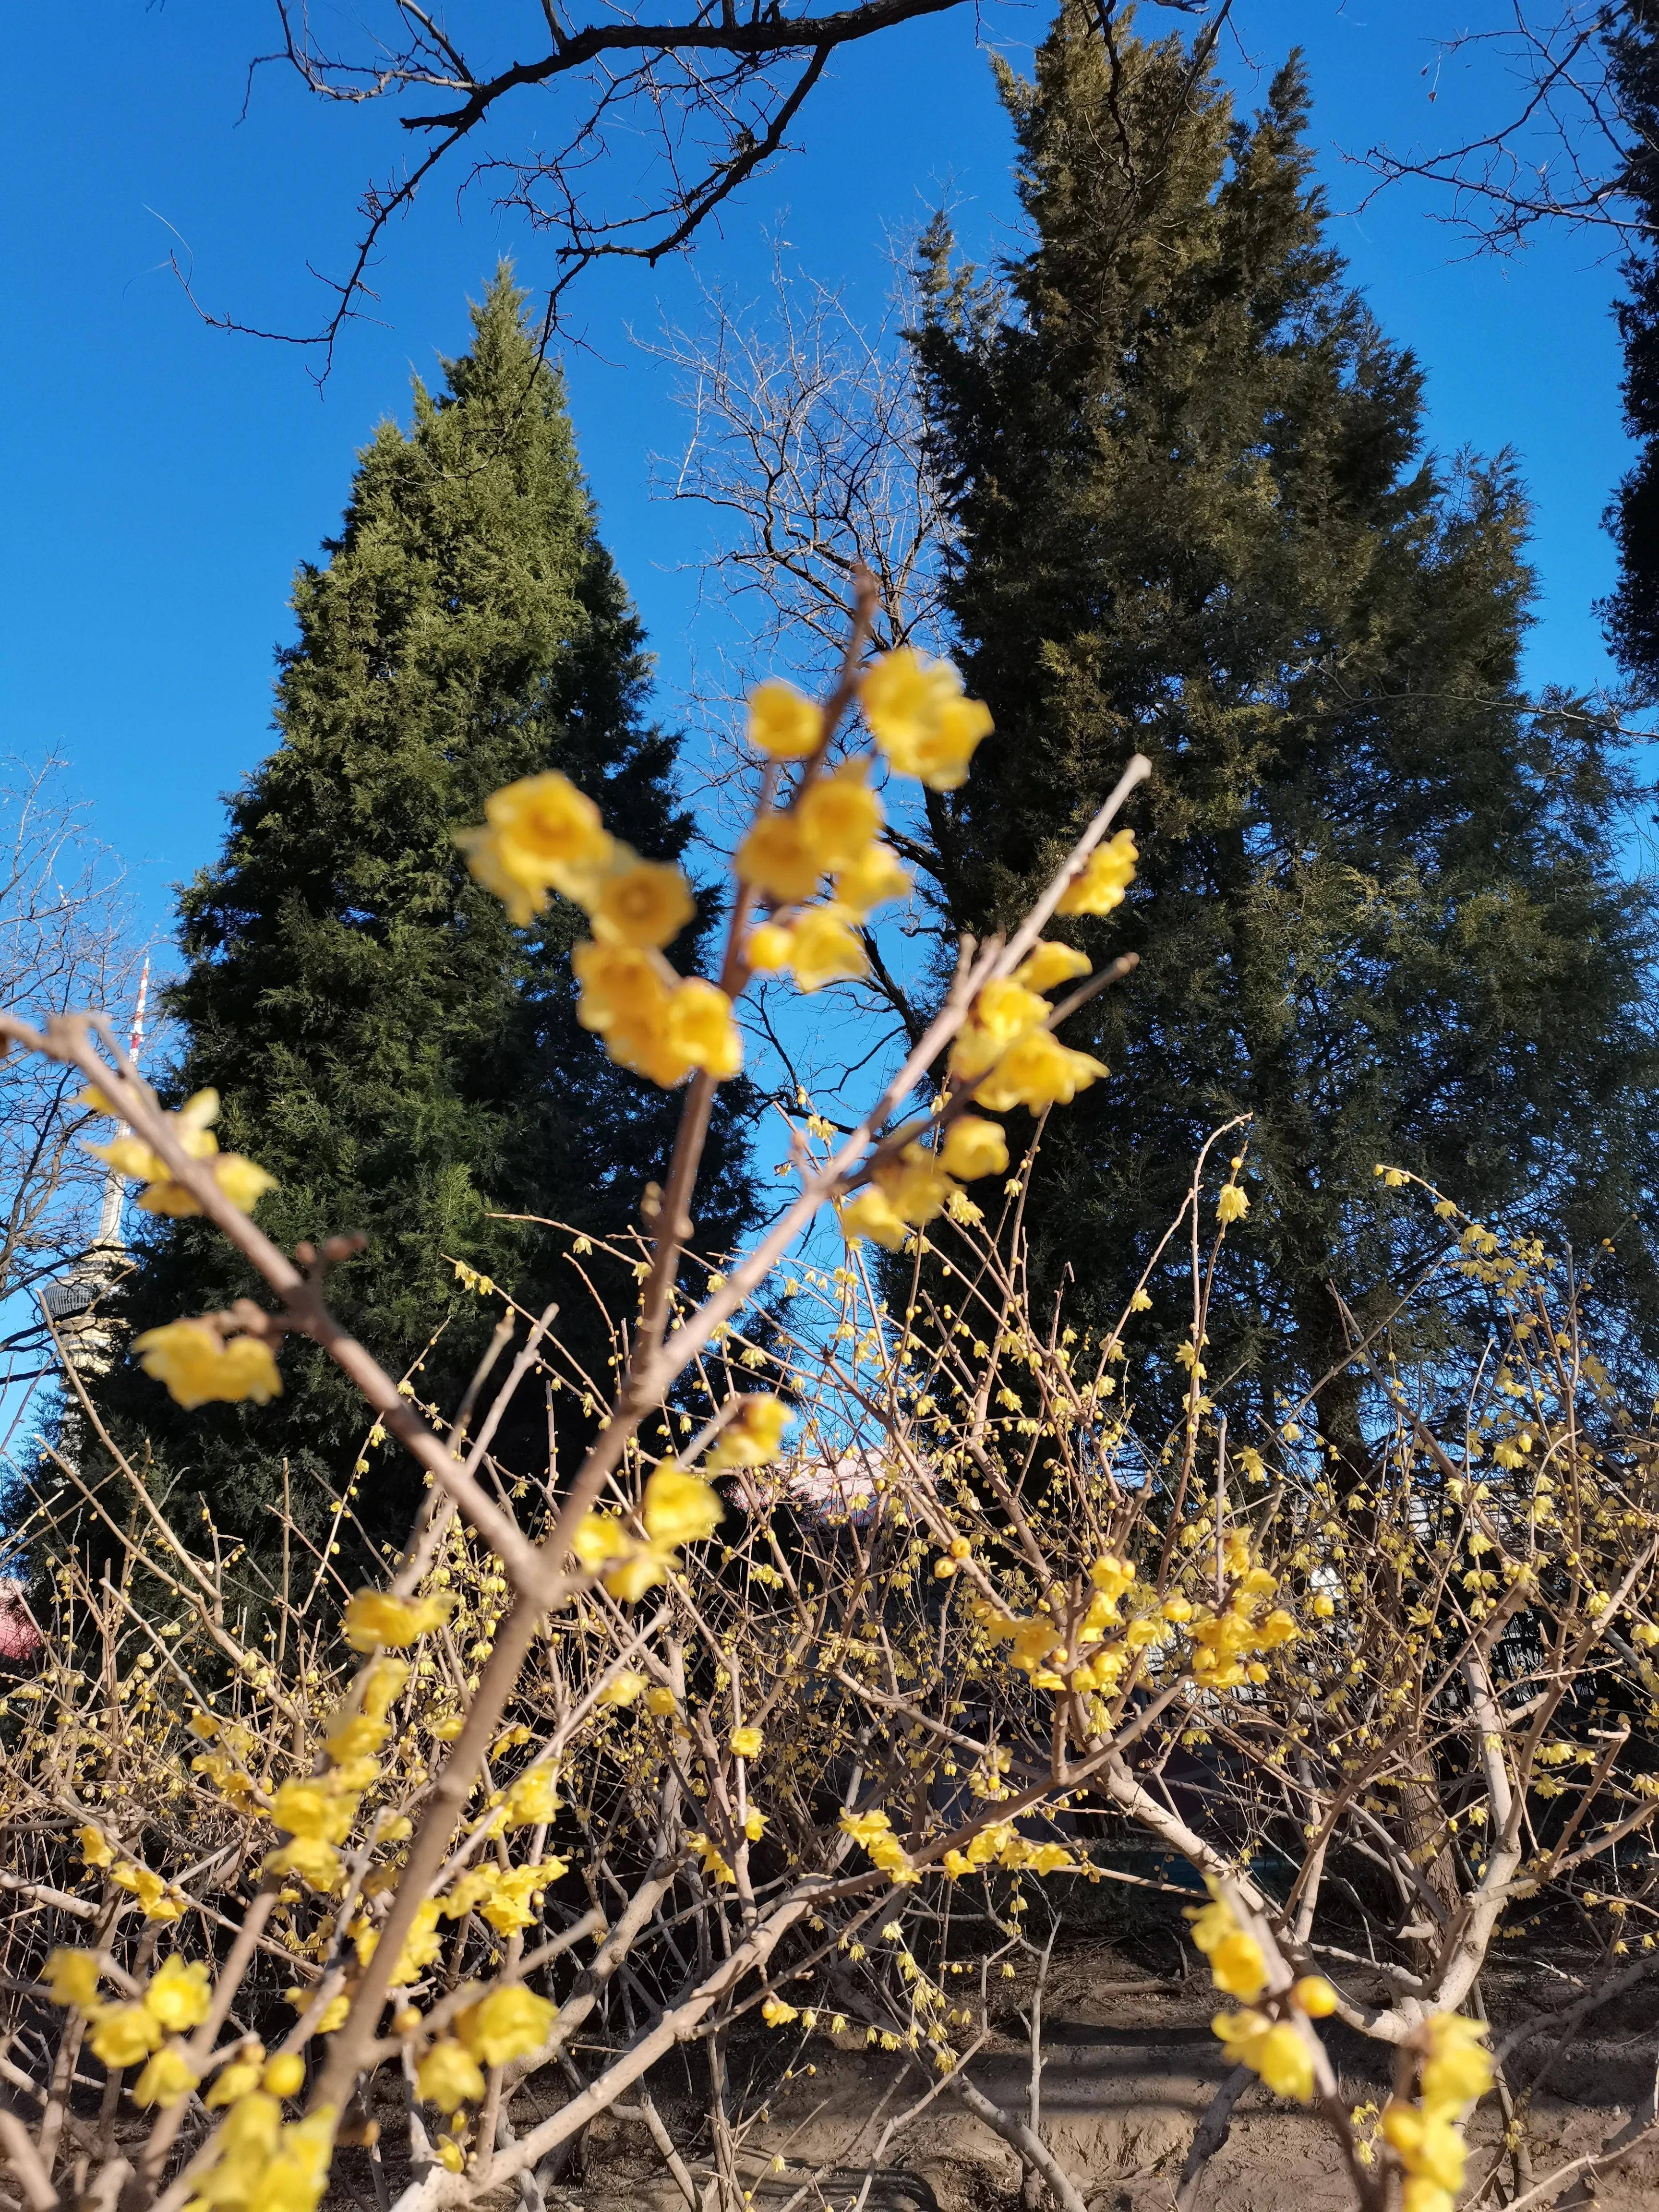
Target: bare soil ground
{"x": 1130, "y": 2065}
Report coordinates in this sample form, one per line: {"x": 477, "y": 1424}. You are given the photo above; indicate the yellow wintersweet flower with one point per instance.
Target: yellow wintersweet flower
{"x": 1314, "y": 1996}
{"x": 449, "y": 2076}
{"x": 870, "y": 1214}
{"x": 782, "y": 723}
{"x": 660, "y": 1701}
{"x": 243, "y": 1182}
{"x": 317, "y": 1863}
{"x": 767, "y": 948}
{"x": 1236, "y": 1964}
{"x": 518, "y": 1892}
{"x": 1037, "y": 1071}
{"x": 914, "y": 1185}
{"x": 155, "y": 1900}
{"x": 1100, "y": 884}
{"x": 509, "y": 2023}
{"x": 1429, "y": 2147}
{"x": 776, "y": 859}
{"x": 825, "y": 947}
{"x": 1002, "y": 1012}
{"x": 645, "y": 902}
{"x": 623, "y": 985}
{"x": 313, "y": 1810}
{"x": 680, "y": 1508}
{"x": 1232, "y": 1204}
{"x": 700, "y": 1028}
{"x": 973, "y": 1148}
{"x": 235, "y": 2081}
{"x": 125, "y": 2033}
{"x": 1048, "y": 963}
{"x": 920, "y": 718}
{"x": 747, "y": 1742}
{"x": 284, "y": 2075}
{"x": 375, "y": 1617}
{"x": 871, "y": 879}
{"x": 622, "y": 1689}
{"x": 94, "y": 1850}
{"x": 1275, "y": 2051}
{"x": 178, "y": 1994}
{"x": 543, "y": 835}
{"x": 751, "y": 1438}
{"x": 200, "y": 1368}
{"x": 1457, "y": 2070}
{"x": 169, "y": 2076}
{"x": 532, "y": 1799}
{"x": 776, "y": 2014}
{"x": 72, "y": 1977}
{"x": 838, "y": 817}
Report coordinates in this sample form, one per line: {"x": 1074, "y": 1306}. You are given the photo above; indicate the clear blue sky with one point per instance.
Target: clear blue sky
{"x": 164, "y": 479}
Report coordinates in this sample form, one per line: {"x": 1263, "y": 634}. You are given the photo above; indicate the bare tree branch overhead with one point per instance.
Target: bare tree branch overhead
{"x": 632, "y": 132}
{"x": 1555, "y": 135}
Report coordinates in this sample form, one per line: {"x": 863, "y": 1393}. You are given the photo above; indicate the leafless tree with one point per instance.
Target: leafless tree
{"x": 66, "y": 940}
{"x": 1554, "y": 137}
{"x": 633, "y": 128}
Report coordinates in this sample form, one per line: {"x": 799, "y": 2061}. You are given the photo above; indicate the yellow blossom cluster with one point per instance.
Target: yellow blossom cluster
{"x": 317, "y": 1812}
{"x": 1005, "y": 1049}
{"x": 920, "y": 718}
{"x": 678, "y": 1508}
{"x": 1100, "y": 1645}
{"x": 509, "y": 2023}
{"x": 200, "y": 1364}
{"x": 542, "y": 835}
{"x": 1228, "y": 1642}
{"x": 906, "y": 1193}
{"x": 242, "y": 1182}
{"x": 258, "y": 2164}
{"x": 1426, "y": 2137}
{"x": 176, "y": 1997}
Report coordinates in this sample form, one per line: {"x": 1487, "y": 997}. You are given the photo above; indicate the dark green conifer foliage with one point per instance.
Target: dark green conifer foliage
{"x": 404, "y": 1061}
{"x": 1379, "y": 909}
{"x": 1633, "y": 608}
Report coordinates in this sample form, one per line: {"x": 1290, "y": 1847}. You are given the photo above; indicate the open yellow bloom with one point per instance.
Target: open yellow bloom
{"x": 534, "y": 1799}
{"x": 642, "y": 903}
{"x": 200, "y": 1368}
{"x": 974, "y": 1148}
{"x": 125, "y": 2033}
{"x": 751, "y": 1437}
{"x": 72, "y": 1977}
{"x": 871, "y": 879}
{"x": 1100, "y": 884}
{"x": 838, "y": 817}
{"x": 1038, "y": 1070}
{"x": 747, "y": 1742}
{"x": 543, "y": 835}
{"x": 449, "y": 2076}
{"x": 1457, "y": 2070}
{"x": 375, "y": 1617}
{"x": 914, "y": 1185}
{"x": 1236, "y": 1964}
{"x": 776, "y": 859}
{"x": 155, "y": 1900}
{"x": 94, "y": 1850}
{"x": 1232, "y": 1204}
{"x": 509, "y": 2023}
{"x": 680, "y": 1508}
{"x": 700, "y": 1028}
{"x": 243, "y": 1182}
{"x": 920, "y": 718}
{"x": 783, "y": 722}
{"x": 178, "y": 1995}
{"x": 169, "y": 2076}
{"x": 1430, "y": 2148}
{"x": 825, "y": 947}
{"x": 310, "y": 1810}
{"x": 235, "y": 2081}
{"x": 623, "y": 985}
{"x": 871, "y": 1214}
{"x": 776, "y": 2014}
{"x": 1002, "y": 1012}
{"x": 1048, "y": 963}
{"x": 1276, "y": 2051}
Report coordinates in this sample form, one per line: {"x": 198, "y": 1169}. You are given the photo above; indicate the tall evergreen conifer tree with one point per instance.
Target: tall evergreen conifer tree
{"x": 1379, "y": 909}
{"x": 400, "y": 1058}
{"x": 1633, "y": 609}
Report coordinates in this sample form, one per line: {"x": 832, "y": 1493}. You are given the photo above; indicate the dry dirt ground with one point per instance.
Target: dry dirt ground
{"x": 1130, "y": 2066}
